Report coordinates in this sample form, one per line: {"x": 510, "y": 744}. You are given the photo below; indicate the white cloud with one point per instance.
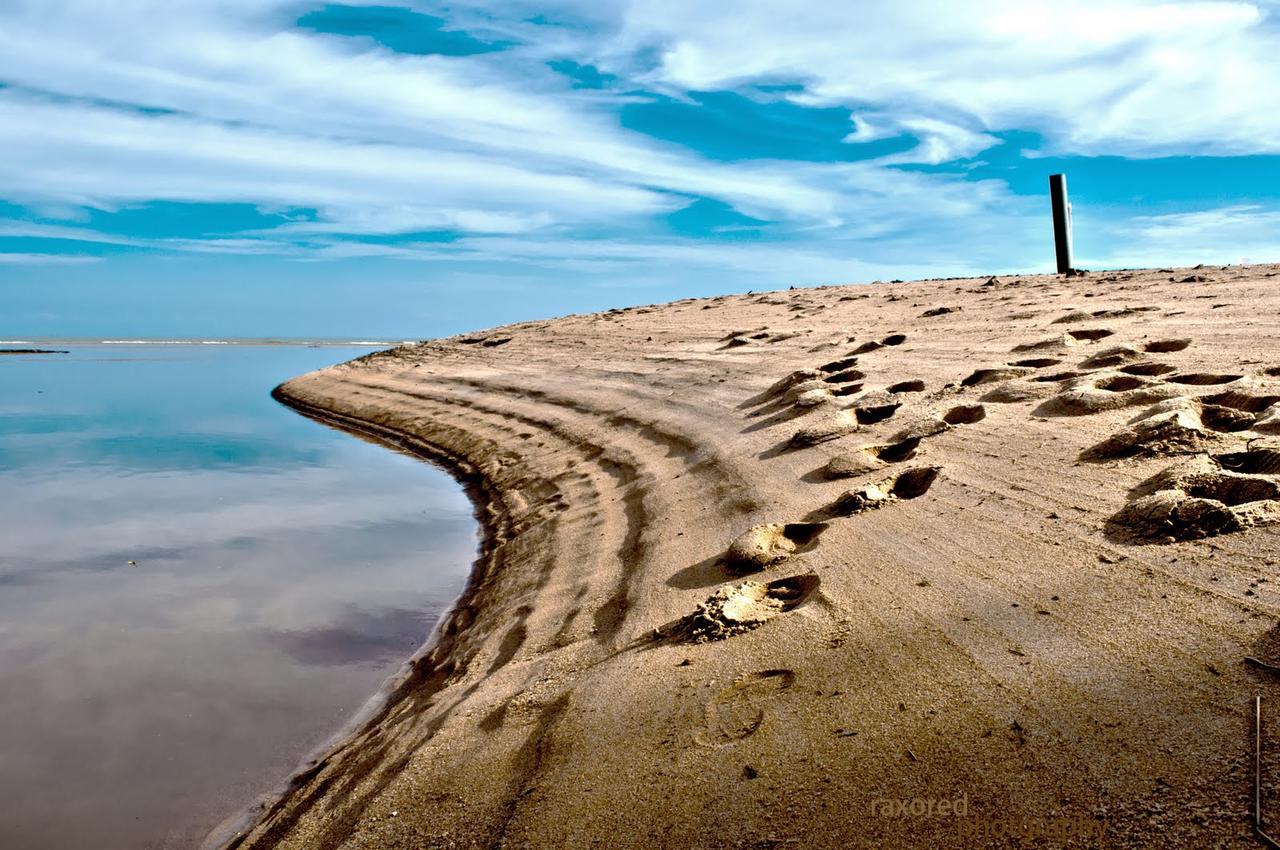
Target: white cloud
{"x": 242, "y": 87}
{"x": 1223, "y": 235}
{"x": 939, "y": 141}
{"x": 98, "y": 156}
{"x": 240, "y": 107}
{"x": 244, "y": 109}
{"x": 1135, "y": 77}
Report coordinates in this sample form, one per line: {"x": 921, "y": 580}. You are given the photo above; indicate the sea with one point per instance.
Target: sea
{"x": 198, "y": 586}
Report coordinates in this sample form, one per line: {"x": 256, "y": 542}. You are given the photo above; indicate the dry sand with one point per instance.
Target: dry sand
{"x": 819, "y": 568}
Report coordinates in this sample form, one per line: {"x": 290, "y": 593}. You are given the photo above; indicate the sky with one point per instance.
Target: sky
{"x": 407, "y": 170}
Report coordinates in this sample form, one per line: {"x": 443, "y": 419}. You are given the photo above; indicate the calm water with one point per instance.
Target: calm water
{"x": 283, "y": 571}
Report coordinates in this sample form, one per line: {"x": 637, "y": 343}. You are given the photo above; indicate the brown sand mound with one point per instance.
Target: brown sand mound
{"x": 965, "y": 414}
{"x": 1109, "y": 358}
{"x": 870, "y": 458}
{"x": 1197, "y": 499}
{"x": 1013, "y": 393}
{"x": 1103, "y": 391}
{"x": 1148, "y": 368}
{"x": 1163, "y": 430}
{"x": 1053, "y": 343}
{"x": 994, "y": 374}
{"x": 832, "y": 427}
{"x": 766, "y": 545}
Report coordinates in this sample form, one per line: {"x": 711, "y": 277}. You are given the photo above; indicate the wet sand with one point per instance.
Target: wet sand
{"x": 944, "y": 563}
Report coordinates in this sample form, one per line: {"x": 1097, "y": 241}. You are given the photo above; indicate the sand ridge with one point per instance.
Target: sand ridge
{"x": 754, "y": 563}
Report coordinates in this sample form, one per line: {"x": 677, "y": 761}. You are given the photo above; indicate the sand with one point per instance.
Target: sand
{"x": 934, "y": 564}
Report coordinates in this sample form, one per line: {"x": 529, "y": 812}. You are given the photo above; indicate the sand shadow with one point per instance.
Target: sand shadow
{"x": 706, "y": 573}
{"x": 817, "y": 475}
{"x": 785, "y": 447}
{"x": 785, "y": 415}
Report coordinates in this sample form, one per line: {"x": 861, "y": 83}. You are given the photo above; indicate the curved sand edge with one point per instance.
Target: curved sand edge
{"x": 234, "y": 829}
{"x": 985, "y": 634}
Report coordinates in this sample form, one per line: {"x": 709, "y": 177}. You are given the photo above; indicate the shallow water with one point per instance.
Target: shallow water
{"x": 283, "y": 571}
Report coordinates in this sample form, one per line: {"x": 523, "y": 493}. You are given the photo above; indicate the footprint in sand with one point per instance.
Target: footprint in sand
{"x": 1162, "y": 346}
{"x": 1175, "y": 426}
{"x": 764, "y": 546}
{"x": 1203, "y": 497}
{"x": 844, "y": 377}
{"x": 965, "y": 414}
{"x": 1109, "y": 358}
{"x": 847, "y": 390}
{"x": 873, "y": 407}
{"x": 739, "y": 608}
{"x": 909, "y": 484}
{"x": 866, "y": 409}
{"x": 906, "y": 387}
{"x": 1243, "y": 400}
{"x": 872, "y": 345}
{"x": 738, "y": 711}
{"x": 839, "y": 365}
{"x": 995, "y": 374}
{"x": 1067, "y": 340}
{"x": 870, "y": 458}
{"x": 1090, "y": 334}
{"x": 1099, "y": 391}
{"x": 1180, "y": 425}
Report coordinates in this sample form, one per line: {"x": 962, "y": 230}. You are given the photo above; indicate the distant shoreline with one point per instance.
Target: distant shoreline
{"x": 245, "y": 341}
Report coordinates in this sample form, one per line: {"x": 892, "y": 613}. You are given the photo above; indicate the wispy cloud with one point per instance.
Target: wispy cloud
{"x": 16, "y": 259}
{"x": 1235, "y": 234}
{"x": 226, "y": 103}
{"x": 110, "y": 106}
{"x": 1135, "y": 77}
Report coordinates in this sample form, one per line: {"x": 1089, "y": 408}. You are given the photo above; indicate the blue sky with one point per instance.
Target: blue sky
{"x": 401, "y": 170}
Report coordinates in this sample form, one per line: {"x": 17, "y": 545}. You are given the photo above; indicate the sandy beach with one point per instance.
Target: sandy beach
{"x": 949, "y": 563}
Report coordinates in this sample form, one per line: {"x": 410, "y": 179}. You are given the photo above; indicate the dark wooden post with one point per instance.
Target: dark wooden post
{"x": 1061, "y": 221}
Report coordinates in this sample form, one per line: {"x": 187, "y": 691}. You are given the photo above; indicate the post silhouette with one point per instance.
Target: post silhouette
{"x": 1061, "y": 221}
